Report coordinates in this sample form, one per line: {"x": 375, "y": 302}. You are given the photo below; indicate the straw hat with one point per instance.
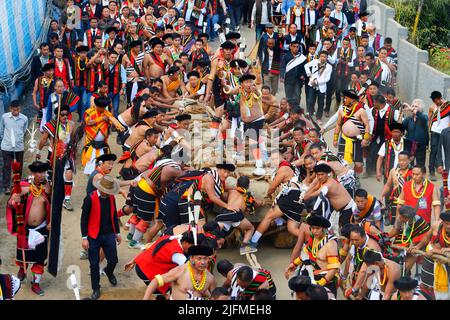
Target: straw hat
{"x": 107, "y": 185}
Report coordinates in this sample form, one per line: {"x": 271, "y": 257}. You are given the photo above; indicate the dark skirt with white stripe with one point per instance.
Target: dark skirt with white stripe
{"x": 144, "y": 204}
{"x": 290, "y": 206}
{"x": 230, "y": 216}
{"x": 173, "y": 210}
{"x": 38, "y": 255}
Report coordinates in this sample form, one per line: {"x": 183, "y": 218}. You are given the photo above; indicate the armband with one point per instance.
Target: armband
{"x": 297, "y": 261}
{"x": 343, "y": 252}
{"x": 210, "y": 77}
{"x": 336, "y": 136}
{"x": 366, "y": 136}
{"x": 400, "y": 201}
{"x": 333, "y": 263}
{"x": 436, "y": 203}
{"x": 160, "y": 280}
{"x": 322, "y": 282}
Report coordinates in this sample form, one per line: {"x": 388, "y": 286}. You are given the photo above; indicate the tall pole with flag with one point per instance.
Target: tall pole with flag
{"x": 57, "y": 199}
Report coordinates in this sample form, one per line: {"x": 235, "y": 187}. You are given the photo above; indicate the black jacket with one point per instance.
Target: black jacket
{"x": 295, "y": 73}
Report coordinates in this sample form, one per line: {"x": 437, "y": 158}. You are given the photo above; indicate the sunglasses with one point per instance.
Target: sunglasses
{"x": 64, "y": 114}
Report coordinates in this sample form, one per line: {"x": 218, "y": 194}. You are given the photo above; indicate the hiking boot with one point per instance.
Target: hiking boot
{"x": 84, "y": 255}
{"x": 129, "y": 237}
{"x": 248, "y": 248}
{"x": 37, "y": 289}
{"x": 21, "y": 274}
{"x": 135, "y": 245}
{"x": 68, "y": 205}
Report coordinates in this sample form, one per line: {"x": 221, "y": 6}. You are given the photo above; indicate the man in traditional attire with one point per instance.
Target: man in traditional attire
{"x": 35, "y": 218}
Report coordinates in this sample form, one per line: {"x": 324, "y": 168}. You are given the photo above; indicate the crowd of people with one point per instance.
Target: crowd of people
{"x": 140, "y": 71}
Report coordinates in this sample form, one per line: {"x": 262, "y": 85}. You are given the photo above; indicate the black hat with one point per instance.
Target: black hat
{"x": 172, "y": 70}
{"x": 374, "y": 83}
{"x": 150, "y": 114}
{"x": 102, "y": 102}
{"x": 155, "y": 41}
{"x": 351, "y": 94}
{"x": 396, "y": 126}
{"x": 294, "y": 42}
{"x": 322, "y": 167}
{"x": 372, "y": 256}
{"x": 38, "y": 166}
{"x": 318, "y": 221}
{"x": 193, "y": 74}
{"x": 82, "y": 49}
{"x": 200, "y": 250}
{"x": 64, "y": 107}
{"x": 111, "y": 29}
{"x": 228, "y": 45}
{"x": 166, "y": 36}
{"x": 246, "y": 77}
{"x": 232, "y": 35}
{"x": 238, "y": 62}
{"x": 135, "y": 43}
{"x": 363, "y": 14}
{"x": 213, "y": 228}
{"x": 226, "y": 166}
{"x": 106, "y": 157}
{"x": 405, "y": 284}
{"x": 48, "y": 66}
{"x": 299, "y": 283}
{"x": 445, "y": 216}
{"x": 182, "y": 117}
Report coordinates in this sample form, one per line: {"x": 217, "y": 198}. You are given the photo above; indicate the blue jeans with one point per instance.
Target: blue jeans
{"x": 210, "y": 28}
{"x": 115, "y": 99}
{"x": 259, "y": 30}
{"x": 83, "y": 104}
{"x": 108, "y": 243}
{"x": 236, "y": 15}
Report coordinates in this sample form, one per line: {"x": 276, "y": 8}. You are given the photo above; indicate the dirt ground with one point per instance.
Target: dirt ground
{"x": 129, "y": 285}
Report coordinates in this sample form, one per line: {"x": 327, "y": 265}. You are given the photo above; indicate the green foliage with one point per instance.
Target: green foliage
{"x": 434, "y": 25}
{"x": 440, "y": 59}
{"x": 433, "y": 32}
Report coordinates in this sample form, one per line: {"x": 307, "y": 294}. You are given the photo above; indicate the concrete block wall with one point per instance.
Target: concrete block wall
{"x": 415, "y": 78}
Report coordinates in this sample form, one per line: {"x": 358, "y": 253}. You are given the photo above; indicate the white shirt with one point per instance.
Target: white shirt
{"x": 264, "y": 17}
{"x": 383, "y": 111}
{"x": 382, "y": 151}
{"x": 440, "y": 125}
{"x": 270, "y": 51}
{"x": 312, "y": 17}
{"x": 298, "y": 19}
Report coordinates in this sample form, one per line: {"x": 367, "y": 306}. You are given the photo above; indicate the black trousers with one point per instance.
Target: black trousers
{"x": 293, "y": 92}
{"x": 371, "y": 164}
{"x": 421, "y": 152}
{"x": 341, "y": 85}
{"x": 108, "y": 243}
{"x": 434, "y": 145}
{"x": 330, "y": 90}
{"x": 314, "y": 95}
{"x": 8, "y": 158}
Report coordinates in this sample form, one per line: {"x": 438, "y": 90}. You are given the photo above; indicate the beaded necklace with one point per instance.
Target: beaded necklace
{"x": 194, "y": 282}
{"x": 413, "y": 189}
{"x": 410, "y": 234}
{"x": 35, "y": 191}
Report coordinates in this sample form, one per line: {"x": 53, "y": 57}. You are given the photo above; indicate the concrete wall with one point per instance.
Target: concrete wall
{"x": 415, "y": 78}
